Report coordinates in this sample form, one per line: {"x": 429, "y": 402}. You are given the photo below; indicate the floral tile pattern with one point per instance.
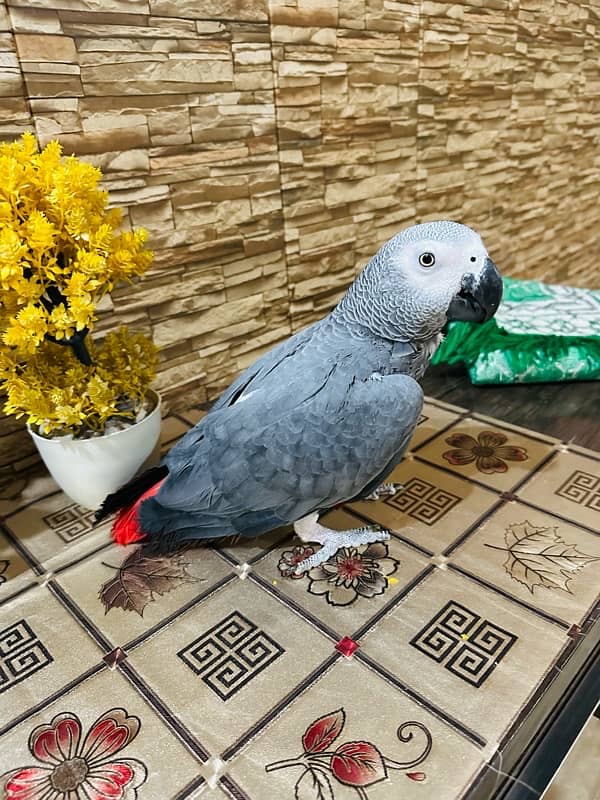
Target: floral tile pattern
{"x": 98, "y": 740}
{"x": 132, "y": 593}
{"x": 544, "y": 561}
{"x": 350, "y": 588}
{"x": 395, "y": 669}
{"x": 345, "y": 741}
{"x": 494, "y": 456}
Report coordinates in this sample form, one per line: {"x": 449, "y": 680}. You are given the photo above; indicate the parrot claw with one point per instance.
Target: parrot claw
{"x": 385, "y": 490}
{"x": 332, "y": 541}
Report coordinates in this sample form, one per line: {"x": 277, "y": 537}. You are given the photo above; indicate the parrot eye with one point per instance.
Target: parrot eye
{"x": 427, "y": 259}
{"x": 473, "y": 258}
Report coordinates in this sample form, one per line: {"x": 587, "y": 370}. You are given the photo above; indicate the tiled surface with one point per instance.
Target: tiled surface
{"x": 219, "y": 661}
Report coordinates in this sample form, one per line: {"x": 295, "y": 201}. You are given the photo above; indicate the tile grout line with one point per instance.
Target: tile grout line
{"x": 360, "y": 515}
{"x": 507, "y": 596}
{"x": 303, "y": 613}
{"x": 540, "y": 690}
{"x": 52, "y": 697}
{"x": 418, "y": 579}
{"x": 274, "y": 712}
{"x": 556, "y": 515}
{"x": 460, "y": 417}
{"x": 233, "y": 789}
{"x": 441, "y": 404}
{"x": 538, "y": 467}
{"x": 18, "y": 545}
{"x": 153, "y": 700}
{"x": 194, "y": 784}
{"x": 468, "y": 532}
{"x": 82, "y": 618}
{"x": 466, "y": 732}
{"x": 133, "y": 643}
{"x": 18, "y": 593}
{"x": 30, "y": 503}
{"x": 283, "y": 541}
{"x": 82, "y": 557}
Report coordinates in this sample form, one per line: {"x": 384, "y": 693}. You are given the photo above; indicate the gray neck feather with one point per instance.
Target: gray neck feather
{"x": 371, "y": 308}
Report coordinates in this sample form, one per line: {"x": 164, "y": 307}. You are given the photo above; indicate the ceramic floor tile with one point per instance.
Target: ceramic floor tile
{"x": 537, "y": 558}
{"x": 510, "y": 426}
{"x": 433, "y": 419}
{"x": 24, "y": 491}
{"x": 570, "y": 486}
{"x": 193, "y": 416}
{"x": 125, "y": 594}
{"x": 246, "y": 551}
{"x": 447, "y": 406}
{"x": 217, "y": 659}
{"x": 172, "y": 428}
{"x": 353, "y": 586}
{"x": 468, "y": 650}
{"x": 489, "y": 453}
{"x": 56, "y": 531}
{"x": 157, "y": 764}
{"x": 433, "y": 509}
{"x": 42, "y": 648}
{"x": 217, "y": 792}
{"x": 229, "y": 660}
{"x": 15, "y": 573}
{"x": 409, "y": 752}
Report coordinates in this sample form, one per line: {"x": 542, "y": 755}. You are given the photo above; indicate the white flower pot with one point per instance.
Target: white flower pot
{"x": 89, "y": 469}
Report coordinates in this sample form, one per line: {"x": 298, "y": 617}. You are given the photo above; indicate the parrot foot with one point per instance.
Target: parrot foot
{"x": 385, "y": 490}
{"x": 309, "y": 530}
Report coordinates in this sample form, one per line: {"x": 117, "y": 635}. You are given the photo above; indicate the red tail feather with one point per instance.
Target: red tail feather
{"x": 126, "y": 528}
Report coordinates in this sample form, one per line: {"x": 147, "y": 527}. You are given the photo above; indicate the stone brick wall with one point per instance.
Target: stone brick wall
{"x": 271, "y": 146}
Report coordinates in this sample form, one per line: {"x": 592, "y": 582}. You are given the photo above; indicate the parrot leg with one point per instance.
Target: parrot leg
{"x": 309, "y": 530}
{"x": 385, "y": 490}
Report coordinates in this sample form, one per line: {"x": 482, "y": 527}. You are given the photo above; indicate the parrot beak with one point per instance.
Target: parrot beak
{"x": 479, "y": 296}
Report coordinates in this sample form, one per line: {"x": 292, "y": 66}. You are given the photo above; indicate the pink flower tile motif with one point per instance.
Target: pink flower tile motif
{"x": 352, "y": 573}
{"x": 70, "y": 769}
{"x": 357, "y": 764}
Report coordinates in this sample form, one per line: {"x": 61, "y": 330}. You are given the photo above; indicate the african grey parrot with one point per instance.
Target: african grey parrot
{"x": 325, "y": 416}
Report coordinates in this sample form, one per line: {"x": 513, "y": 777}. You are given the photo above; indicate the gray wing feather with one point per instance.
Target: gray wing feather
{"x": 251, "y": 471}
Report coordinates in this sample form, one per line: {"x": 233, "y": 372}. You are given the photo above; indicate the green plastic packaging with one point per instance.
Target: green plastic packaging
{"x": 541, "y": 333}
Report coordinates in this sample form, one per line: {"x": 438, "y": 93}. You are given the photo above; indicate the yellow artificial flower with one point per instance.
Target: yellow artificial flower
{"x": 61, "y": 323}
{"x": 12, "y": 247}
{"x": 76, "y": 285}
{"x": 82, "y": 311}
{"x": 76, "y": 221}
{"x": 57, "y": 235}
{"x": 101, "y": 239}
{"x": 89, "y": 263}
{"x": 39, "y": 232}
{"x": 27, "y": 329}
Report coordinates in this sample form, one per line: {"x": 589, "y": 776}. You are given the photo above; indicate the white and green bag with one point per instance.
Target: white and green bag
{"x": 540, "y": 333}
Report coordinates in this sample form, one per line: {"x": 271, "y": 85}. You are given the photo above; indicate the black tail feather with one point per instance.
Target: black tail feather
{"x": 130, "y": 492}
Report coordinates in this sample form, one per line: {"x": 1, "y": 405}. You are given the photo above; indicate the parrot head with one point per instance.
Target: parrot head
{"x": 425, "y": 276}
